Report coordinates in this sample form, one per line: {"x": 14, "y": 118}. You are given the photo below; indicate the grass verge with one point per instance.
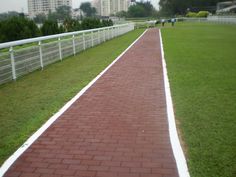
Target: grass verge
{"x": 201, "y": 62}
{"x": 27, "y": 103}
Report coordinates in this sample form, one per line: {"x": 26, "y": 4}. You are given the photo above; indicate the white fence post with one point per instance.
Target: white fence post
{"x": 13, "y": 63}
{"x": 112, "y": 32}
{"x": 40, "y": 55}
{"x": 84, "y": 41}
{"x": 73, "y": 38}
{"x": 99, "y": 36}
{"x": 116, "y": 31}
{"x": 59, "y": 44}
{"x": 104, "y": 35}
{"x": 92, "y": 38}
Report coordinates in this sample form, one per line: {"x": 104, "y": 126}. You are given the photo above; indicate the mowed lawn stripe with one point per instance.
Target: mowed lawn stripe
{"x": 201, "y": 63}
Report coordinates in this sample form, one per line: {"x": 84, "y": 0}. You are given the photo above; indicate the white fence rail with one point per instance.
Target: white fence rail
{"x": 213, "y": 19}
{"x": 222, "y": 19}
{"x": 21, "y": 57}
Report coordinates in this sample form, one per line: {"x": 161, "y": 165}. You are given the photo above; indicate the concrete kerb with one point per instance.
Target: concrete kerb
{"x": 175, "y": 143}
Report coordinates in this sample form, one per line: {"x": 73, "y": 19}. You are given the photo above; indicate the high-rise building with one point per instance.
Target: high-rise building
{"x": 96, "y": 4}
{"x": 36, "y": 7}
{"x": 105, "y": 7}
{"x": 108, "y": 7}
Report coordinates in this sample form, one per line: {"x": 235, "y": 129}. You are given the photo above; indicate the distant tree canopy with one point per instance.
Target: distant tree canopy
{"x": 88, "y": 10}
{"x": 5, "y": 16}
{"x": 90, "y": 23}
{"x": 16, "y": 28}
{"x": 62, "y": 13}
{"x": 121, "y": 14}
{"x": 40, "y": 18}
{"x": 172, "y": 7}
{"x": 50, "y": 27}
{"x": 140, "y": 9}
{"x": 71, "y": 25}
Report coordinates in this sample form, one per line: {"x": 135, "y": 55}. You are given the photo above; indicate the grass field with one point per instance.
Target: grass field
{"x": 26, "y": 104}
{"x": 201, "y": 62}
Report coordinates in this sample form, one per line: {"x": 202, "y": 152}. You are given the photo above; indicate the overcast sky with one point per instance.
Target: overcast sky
{"x": 21, "y": 5}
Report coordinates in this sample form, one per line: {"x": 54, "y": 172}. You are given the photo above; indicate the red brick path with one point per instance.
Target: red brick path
{"x": 118, "y": 128}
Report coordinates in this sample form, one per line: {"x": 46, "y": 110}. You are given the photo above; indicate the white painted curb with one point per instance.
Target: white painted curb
{"x": 7, "y": 164}
{"x": 175, "y": 143}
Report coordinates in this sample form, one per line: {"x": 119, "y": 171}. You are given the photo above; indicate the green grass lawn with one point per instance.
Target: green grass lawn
{"x": 201, "y": 62}
{"x": 27, "y": 103}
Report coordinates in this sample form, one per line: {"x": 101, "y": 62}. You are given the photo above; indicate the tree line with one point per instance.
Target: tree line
{"x": 181, "y": 7}
{"x": 15, "y": 26}
{"x": 139, "y": 9}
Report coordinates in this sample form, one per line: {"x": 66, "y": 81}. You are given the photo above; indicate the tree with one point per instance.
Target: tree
{"x": 122, "y": 14}
{"x": 16, "y": 28}
{"x": 72, "y": 25}
{"x": 88, "y": 10}
{"x": 136, "y": 11}
{"x": 50, "y": 27}
{"x": 52, "y": 16}
{"x": 172, "y": 7}
{"x": 141, "y": 9}
{"x": 90, "y": 23}
{"x": 149, "y": 9}
{"x": 63, "y": 12}
{"x": 107, "y": 23}
{"x": 5, "y": 16}
{"x": 40, "y": 18}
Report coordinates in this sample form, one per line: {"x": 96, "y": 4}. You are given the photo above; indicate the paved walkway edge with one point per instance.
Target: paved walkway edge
{"x": 175, "y": 143}
{"x": 7, "y": 164}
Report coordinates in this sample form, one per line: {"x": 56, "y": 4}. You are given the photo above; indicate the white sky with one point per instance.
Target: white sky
{"x": 21, "y": 5}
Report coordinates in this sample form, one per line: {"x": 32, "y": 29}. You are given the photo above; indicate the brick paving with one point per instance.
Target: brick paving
{"x": 118, "y": 128}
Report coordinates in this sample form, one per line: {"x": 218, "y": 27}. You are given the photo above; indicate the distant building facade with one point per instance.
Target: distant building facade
{"x": 109, "y": 7}
{"x": 36, "y": 7}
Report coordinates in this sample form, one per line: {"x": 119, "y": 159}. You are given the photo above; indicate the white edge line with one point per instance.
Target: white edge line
{"x": 175, "y": 143}
{"x": 7, "y": 164}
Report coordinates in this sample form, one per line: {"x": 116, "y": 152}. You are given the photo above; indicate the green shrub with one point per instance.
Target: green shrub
{"x": 202, "y": 14}
{"x": 17, "y": 28}
{"x": 107, "y": 23}
{"x": 90, "y": 23}
{"x": 50, "y": 27}
{"x": 71, "y": 25}
{"x": 191, "y": 14}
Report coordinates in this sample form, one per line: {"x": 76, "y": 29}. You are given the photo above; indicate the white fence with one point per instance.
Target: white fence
{"x": 222, "y": 19}
{"x": 213, "y": 19}
{"x": 21, "y": 57}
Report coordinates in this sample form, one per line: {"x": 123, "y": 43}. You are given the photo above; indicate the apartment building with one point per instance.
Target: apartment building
{"x": 36, "y": 7}
{"x": 108, "y": 7}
